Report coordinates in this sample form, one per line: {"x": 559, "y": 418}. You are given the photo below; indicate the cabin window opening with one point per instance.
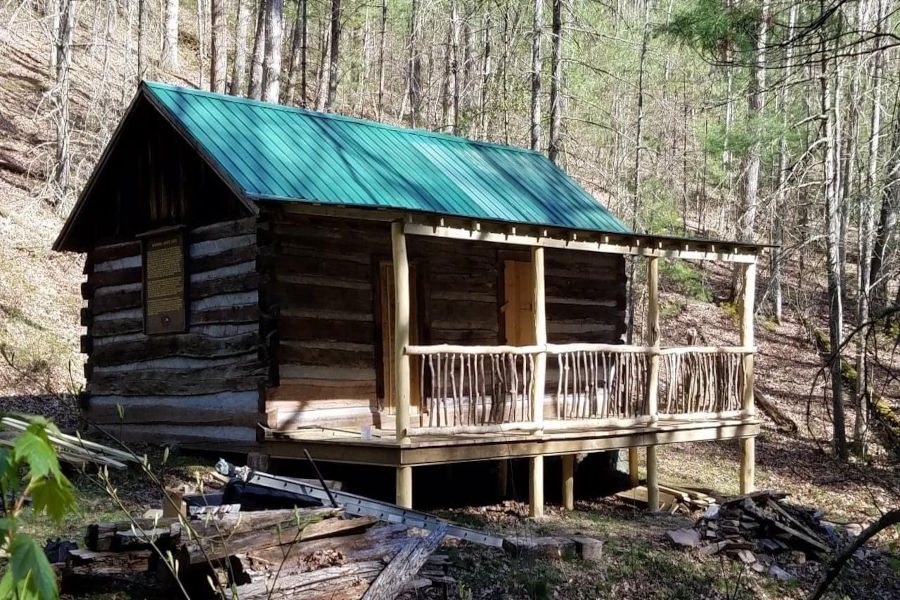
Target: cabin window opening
{"x": 164, "y": 292}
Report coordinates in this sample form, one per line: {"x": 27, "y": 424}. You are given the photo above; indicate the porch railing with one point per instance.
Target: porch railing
{"x": 491, "y": 388}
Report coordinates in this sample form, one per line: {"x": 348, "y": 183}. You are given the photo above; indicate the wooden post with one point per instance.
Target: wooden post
{"x": 652, "y": 338}
{"x": 748, "y": 445}
{"x": 536, "y": 494}
{"x": 401, "y": 332}
{"x": 568, "y": 481}
{"x": 536, "y": 489}
{"x": 652, "y": 480}
{"x": 633, "y": 467}
{"x": 540, "y": 335}
{"x": 404, "y": 487}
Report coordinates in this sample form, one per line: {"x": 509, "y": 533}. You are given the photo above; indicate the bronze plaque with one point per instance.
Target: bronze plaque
{"x": 164, "y": 284}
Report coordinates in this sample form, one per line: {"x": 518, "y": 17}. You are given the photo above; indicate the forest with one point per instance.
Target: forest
{"x": 769, "y": 121}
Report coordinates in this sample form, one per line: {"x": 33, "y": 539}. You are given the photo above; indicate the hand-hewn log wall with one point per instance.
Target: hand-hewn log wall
{"x": 325, "y": 278}
{"x": 202, "y": 385}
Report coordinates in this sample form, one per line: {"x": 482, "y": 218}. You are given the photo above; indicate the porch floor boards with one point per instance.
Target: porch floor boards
{"x": 350, "y": 447}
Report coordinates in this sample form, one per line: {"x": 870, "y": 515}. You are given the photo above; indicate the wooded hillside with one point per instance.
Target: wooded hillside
{"x": 765, "y": 121}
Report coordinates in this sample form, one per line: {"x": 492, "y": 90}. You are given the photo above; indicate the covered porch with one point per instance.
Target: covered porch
{"x": 456, "y": 403}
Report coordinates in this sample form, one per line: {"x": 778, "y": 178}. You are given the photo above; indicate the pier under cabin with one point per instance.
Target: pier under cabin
{"x": 270, "y": 279}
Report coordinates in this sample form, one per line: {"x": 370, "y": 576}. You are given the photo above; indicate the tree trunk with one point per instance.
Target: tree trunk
{"x": 334, "y": 54}
{"x": 832, "y": 244}
{"x": 298, "y": 51}
{"x": 170, "y": 39}
{"x": 866, "y": 233}
{"x": 556, "y": 80}
{"x": 63, "y": 45}
{"x": 272, "y": 61}
{"x": 781, "y": 197}
{"x": 382, "y": 48}
{"x": 887, "y": 218}
{"x": 454, "y": 65}
{"x": 485, "y": 75}
{"x": 259, "y": 44}
{"x": 142, "y": 23}
{"x": 218, "y": 66}
{"x": 536, "y": 75}
{"x": 239, "y": 67}
{"x": 414, "y": 69}
{"x": 201, "y": 40}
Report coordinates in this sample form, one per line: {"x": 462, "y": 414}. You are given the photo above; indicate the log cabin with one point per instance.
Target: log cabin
{"x": 267, "y": 278}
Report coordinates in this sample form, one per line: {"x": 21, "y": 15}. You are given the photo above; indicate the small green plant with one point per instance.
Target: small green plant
{"x": 30, "y": 469}
{"x": 687, "y": 279}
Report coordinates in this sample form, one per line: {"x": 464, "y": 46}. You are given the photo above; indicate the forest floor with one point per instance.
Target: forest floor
{"x": 40, "y": 368}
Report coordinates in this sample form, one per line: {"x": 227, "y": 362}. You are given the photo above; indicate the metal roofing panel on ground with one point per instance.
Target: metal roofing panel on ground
{"x": 289, "y": 154}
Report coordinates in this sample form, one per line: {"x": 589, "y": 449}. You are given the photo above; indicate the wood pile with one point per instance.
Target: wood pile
{"x": 756, "y": 528}
{"x": 672, "y": 499}
{"x": 308, "y": 553}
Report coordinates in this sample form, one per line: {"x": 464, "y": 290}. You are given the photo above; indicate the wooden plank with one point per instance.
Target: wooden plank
{"x": 324, "y": 297}
{"x": 179, "y": 382}
{"x": 224, "y": 229}
{"x": 226, "y": 258}
{"x": 292, "y": 352}
{"x": 306, "y": 329}
{"x": 115, "y": 251}
{"x": 243, "y": 282}
{"x": 307, "y": 265}
{"x": 111, "y": 278}
{"x": 404, "y": 566}
{"x": 115, "y": 301}
{"x": 224, "y": 409}
{"x": 231, "y": 437}
{"x": 310, "y": 390}
{"x": 183, "y": 345}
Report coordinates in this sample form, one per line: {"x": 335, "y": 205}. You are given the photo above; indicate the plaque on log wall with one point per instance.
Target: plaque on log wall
{"x": 164, "y": 284}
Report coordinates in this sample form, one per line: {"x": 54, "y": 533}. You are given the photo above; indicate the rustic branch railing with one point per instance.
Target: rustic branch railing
{"x": 490, "y": 388}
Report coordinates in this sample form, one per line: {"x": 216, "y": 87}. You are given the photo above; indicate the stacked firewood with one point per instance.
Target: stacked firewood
{"x": 305, "y": 553}
{"x": 755, "y": 528}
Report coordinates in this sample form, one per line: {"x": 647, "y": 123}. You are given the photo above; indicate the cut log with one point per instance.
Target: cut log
{"x": 92, "y": 563}
{"x": 771, "y": 410}
{"x": 345, "y": 582}
{"x": 404, "y": 566}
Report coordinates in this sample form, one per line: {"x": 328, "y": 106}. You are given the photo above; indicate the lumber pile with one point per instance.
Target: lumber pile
{"x": 671, "y": 498}
{"x": 308, "y": 553}
{"x": 71, "y": 448}
{"x": 757, "y": 529}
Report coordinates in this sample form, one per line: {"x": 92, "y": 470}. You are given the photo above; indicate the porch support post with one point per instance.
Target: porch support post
{"x": 568, "y": 481}
{"x": 404, "y": 486}
{"x": 634, "y": 476}
{"x": 536, "y": 476}
{"x": 402, "y": 380}
{"x": 748, "y": 445}
{"x": 652, "y": 338}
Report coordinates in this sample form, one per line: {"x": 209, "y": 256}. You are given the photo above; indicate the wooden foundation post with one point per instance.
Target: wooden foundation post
{"x": 536, "y": 487}
{"x": 568, "y": 481}
{"x": 634, "y": 476}
{"x": 748, "y": 445}
{"x": 652, "y": 337}
{"x": 536, "y": 494}
{"x": 401, "y": 335}
{"x": 404, "y": 487}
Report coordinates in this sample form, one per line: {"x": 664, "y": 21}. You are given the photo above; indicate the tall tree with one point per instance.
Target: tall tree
{"x": 382, "y": 48}
{"x": 536, "y": 33}
{"x": 218, "y": 66}
{"x": 485, "y": 73}
{"x": 259, "y": 45}
{"x": 453, "y": 55}
{"x": 202, "y": 28}
{"x": 556, "y": 81}
{"x": 170, "y": 38}
{"x": 414, "y": 68}
{"x": 239, "y": 66}
{"x": 272, "y": 61}
{"x": 334, "y": 54}
{"x": 60, "y": 97}
{"x": 297, "y": 61}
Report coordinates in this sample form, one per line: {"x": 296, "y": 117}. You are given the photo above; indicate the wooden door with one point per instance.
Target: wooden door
{"x": 386, "y": 298}
{"x": 518, "y": 303}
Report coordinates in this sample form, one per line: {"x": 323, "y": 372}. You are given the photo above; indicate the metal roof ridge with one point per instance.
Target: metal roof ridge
{"x": 338, "y": 117}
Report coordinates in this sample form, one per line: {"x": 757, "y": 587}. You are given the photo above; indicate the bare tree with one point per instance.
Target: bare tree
{"x": 536, "y": 74}
{"x": 202, "y": 24}
{"x": 218, "y": 66}
{"x": 170, "y": 38}
{"x": 239, "y": 66}
{"x": 272, "y": 61}
{"x": 485, "y": 73}
{"x": 259, "y": 43}
{"x": 556, "y": 80}
{"x": 334, "y": 54}
{"x": 298, "y": 56}
{"x": 60, "y": 97}
{"x": 382, "y": 46}
{"x": 453, "y": 57}
{"x": 414, "y": 70}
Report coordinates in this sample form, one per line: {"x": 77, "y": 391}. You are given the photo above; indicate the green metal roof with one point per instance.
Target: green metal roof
{"x": 275, "y": 152}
